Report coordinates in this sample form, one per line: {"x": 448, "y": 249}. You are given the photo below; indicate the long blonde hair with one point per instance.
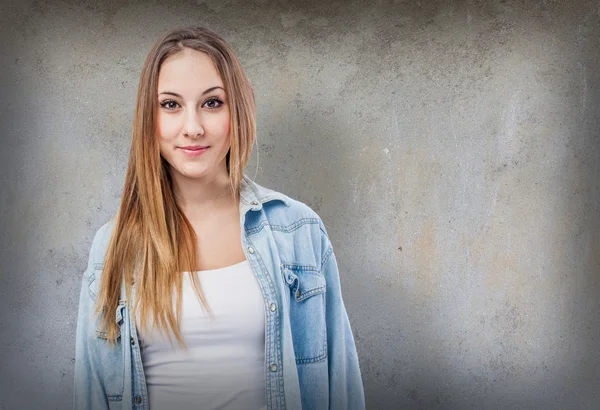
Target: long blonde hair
{"x": 152, "y": 241}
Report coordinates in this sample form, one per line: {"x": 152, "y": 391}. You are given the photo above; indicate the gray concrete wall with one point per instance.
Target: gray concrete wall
{"x": 451, "y": 147}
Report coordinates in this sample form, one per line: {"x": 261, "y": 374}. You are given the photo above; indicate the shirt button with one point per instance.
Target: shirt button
{"x": 273, "y": 307}
{"x": 251, "y": 249}
{"x": 132, "y": 341}
{"x": 138, "y": 400}
{"x": 254, "y": 203}
{"x": 273, "y": 367}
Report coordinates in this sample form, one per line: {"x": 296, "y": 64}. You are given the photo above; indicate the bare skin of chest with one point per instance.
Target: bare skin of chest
{"x": 219, "y": 238}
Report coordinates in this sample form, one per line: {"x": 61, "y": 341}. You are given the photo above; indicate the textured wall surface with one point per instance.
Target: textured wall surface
{"x": 451, "y": 147}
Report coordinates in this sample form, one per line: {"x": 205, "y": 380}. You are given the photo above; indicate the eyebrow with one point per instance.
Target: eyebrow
{"x": 205, "y": 91}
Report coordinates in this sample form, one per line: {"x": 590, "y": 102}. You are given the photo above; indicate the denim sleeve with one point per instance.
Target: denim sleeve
{"x": 88, "y": 390}
{"x": 345, "y": 382}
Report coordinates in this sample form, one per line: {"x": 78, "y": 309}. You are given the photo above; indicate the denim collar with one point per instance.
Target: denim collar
{"x": 255, "y": 195}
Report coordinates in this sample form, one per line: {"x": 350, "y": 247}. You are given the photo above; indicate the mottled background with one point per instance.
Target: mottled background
{"x": 451, "y": 147}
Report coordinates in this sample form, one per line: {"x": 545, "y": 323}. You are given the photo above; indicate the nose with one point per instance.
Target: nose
{"x": 192, "y": 128}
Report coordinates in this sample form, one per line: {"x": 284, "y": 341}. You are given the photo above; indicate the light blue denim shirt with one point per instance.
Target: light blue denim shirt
{"x": 310, "y": 354}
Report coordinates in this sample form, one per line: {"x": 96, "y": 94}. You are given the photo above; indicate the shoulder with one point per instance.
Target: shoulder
{"x": 299, "y": 213}
{"x": 296, "y": 228}
{"x": 282, "y": 211}
{"x": 96, "y": 257}
{"x": 100, "y": 241}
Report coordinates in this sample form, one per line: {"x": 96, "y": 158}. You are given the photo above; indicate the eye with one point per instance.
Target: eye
{"x": 169, "y": 105}
{"x": 213, "y": 103}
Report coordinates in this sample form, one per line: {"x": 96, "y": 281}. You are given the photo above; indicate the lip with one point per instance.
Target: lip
{"x": 194, "y": 151}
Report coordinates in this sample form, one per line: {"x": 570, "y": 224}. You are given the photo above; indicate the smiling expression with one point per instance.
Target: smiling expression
{"x": 193, "y": 120}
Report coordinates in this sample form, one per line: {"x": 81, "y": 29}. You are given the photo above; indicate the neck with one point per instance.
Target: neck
{"x": 202, "y": 193}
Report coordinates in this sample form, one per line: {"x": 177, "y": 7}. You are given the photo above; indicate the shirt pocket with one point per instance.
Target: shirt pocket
{"x": 111, "y": 357}
{"x": 307, "y": 312}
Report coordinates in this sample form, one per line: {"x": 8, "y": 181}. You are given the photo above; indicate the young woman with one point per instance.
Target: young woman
{"x": 207, "y": 290}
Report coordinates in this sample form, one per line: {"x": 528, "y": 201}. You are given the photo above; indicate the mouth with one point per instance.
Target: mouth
{"x": 194, "y": 150}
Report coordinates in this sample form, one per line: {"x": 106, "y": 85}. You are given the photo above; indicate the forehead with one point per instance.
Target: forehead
{"x": 188, "y": 70}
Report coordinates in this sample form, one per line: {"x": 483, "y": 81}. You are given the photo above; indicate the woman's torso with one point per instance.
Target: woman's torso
{"x": 286, "y": 245}
{"x": 224, "y": 364}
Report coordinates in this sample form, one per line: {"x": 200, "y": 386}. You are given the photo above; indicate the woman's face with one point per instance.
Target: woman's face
{"x": 193, "y": 116}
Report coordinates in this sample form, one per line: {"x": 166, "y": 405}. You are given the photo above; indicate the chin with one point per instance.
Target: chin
{"x": 192, "y": 173}
{"x": 196, "y": 174}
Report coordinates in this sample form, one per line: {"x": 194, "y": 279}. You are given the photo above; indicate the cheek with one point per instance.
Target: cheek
{"x": 166, "y": 133}
{"x": 227, "y": 127}
{"x": 166, "y": 127}
{"x": 222, "y": 127}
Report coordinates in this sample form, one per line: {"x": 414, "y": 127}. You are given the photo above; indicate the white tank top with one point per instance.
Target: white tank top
{"x": 224, "y": 366}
